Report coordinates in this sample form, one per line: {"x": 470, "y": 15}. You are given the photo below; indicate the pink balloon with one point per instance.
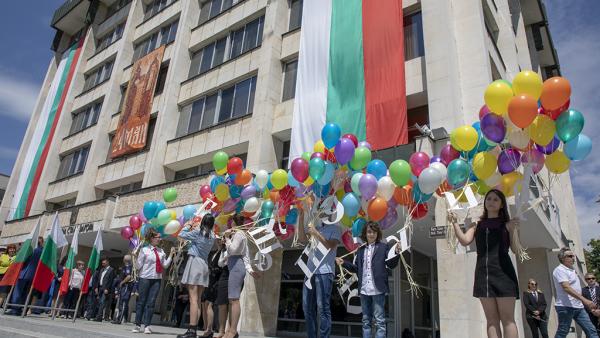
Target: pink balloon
{"x": 126, "y": 233}
{"x": 353, "y": 138}
{"x": 300, "y": 169}
{"x": 418, "y": 161}
{"x": 348, "y": 242}
{"x": 535, "y": 158}
{"x": 205, "y": 191}
{"x": 448, "y": 154}
{"x": 317, "y": 154}
{"x": 135, "y": 222}
{"x": 484, "y": 111}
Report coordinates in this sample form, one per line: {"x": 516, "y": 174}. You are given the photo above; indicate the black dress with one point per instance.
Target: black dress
{"x": 494, "y": 272}
{"x": 210, "y": 292}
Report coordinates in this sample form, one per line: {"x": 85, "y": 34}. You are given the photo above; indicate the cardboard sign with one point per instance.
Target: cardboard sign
{"x": 315, "y": 255}
{"x": 349, "y": 294}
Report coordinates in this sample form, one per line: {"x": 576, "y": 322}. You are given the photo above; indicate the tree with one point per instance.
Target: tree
{"x": 592, "y": 256}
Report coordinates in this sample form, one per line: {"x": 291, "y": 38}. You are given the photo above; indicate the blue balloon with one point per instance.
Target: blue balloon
{"x": 357, "y": 226}
{"x": 351, "y": 204}
{"x": 458, "y": 172}
{"x": 150, "y": 209}
{"x": 145, "y": 228}
{"x": 235, "y": 191}
{"x": 215, "y": 182}
{"x": 189, "y": 211}
{"x": 292, "y": 216}
{"x": 330, "y": 134}
{"x": 320, "y": 190}
{"x": 419, "y": 196}
{"x": 578, "y": 148}
{"x": 269, "y": 184}
{"x": 327, "y": 175}
{"x": 292, "y": 182}
{"x": 377, "y": 168}
{"x": 160, "y": 206}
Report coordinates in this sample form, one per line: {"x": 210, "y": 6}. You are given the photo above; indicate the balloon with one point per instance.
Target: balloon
{"x": 150, "y": 209}
{"x": 439, "y": 166}
{"x": 292, "y": 182}
{"x": 348, "y": 241}
{"x": 145, "y": 228}
{"x": 316, "y": 168}
{"x": 243, "y": 178}
{"x": 205, "y": 191}
{"x": 306, "y": 156}
{"x": 400, "y": 172}
{"x": 550, "y": 147}
{"x": 385, "y": 188}
{"x": 555, "y": 92}
{"x": 534, "y": 158}
{"x": 403, "y": 195}
{"x": 518, "y": 138}
{"x": 435, "y": 159}
{"x": 135, "y": 222}
{"x": 494, "y": 180}
{"x": 351, "y": 204}
{"x": 222, "y": 192}
{"x": 344, "y": 150}
{"x": 266, "y": 210}
{"x": 354, "y": 183}
{"x": 219, "y": 160}
{"x": 215, "y": 181}
{"x": 299, "y": 169}
{"x": 509, "y": 160}
{"x": 483, "y": 111}
{"x": 222, "y": 171}
{"x": 522, "y": 110}
{"x": 480, "y": 187}
{"x": 418, "y": 161}
{"x": 569, "y": 124}
{"x": 458, "y": 172}
{"x": 497, "y": 96}
{"x": 578, "y": 148}
{"x": 317, "y": 155}
{"x": 235, "y": 166}
{"x": 357, "y": 226}
{"x": 429, "y": 180}
{"x": 419, "y": 211}
{"x": 235, "y": 190}
{"x": 557, "y": 162}
{"x": 364, "y": 144}
{"x": 390, "y": 219}
{"x": 170, "y": 195}
{"x": 248, "y": 192}
{"x": 319, "y": 147}
{"x": 377, "y": 209}
{"x": 279, "y": 179}
{"x": 529, "y": 83}
{"x": 542, "y": 130}
{"x": 554, "y": 113}
{"x": 262, "y": 178}
{"x": 330, "y": 134}
{"x": 464, "y": 138}
{"x": 189, "y": 211}
{"x": 251, "y": 205}
{"x": 493, "y": 127}
{"x": 292, "y": 216}
{"x": 510, "y": 181}
{"x": 321, "y": 190}
{"x": 173, "y": 214}
{"x": 328, "y": 174}
{"x": 351, "y": 137}
{"x": 127, "y": 233}
{"x": 362, "y": 156}
{"x": 420, "y": 196}
{"x": 484, "y": 165}
{"x": 368, "y": 186}
{"x": 164, "y": 216}
{"x": 172, "y": 227}
{"x": 448, "y": 154}
{"x": 377, "y": 168}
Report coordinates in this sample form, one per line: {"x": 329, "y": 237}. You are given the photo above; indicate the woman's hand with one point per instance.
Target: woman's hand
{"x": 513, "y": 224}
{"x": 339, "y": 261}
{"x": 255, "y": 274}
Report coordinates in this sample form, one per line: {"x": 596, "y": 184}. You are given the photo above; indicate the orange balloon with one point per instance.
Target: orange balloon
{"x": 403, "y": 195}
{"x": 522, "y": 110}
{"x": 243, "y": 178}
{"x": 555, "y": 92}
{"x": 274, "y": 195}
{"x": 377, "y": 209}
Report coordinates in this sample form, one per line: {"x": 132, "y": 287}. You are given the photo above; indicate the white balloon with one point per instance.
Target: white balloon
{"x": 518, "y": 138}
{"x": 439, "y": 166}
{"x": 261, "y": 179}
{"x": 251, "y": 205}
{"x": 429, "y": 180}
{"x": 493, "y": 180}
{"x": 385, "y": 188}
{"x": 172, "y": 227}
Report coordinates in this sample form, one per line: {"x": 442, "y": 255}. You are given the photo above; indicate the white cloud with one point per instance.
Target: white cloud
{"x": 7, "y": 153}
{"x": 588, "y": 214}
{"x": 17, "y": 97}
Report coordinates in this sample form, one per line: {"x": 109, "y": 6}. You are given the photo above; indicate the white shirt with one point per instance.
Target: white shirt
{"x": 237, "y": 245}
{"x": 76, "y": 279}
{"x": 104, "y": 271}
{"x": 368, "y": 287}
{"x": 146, "y": 262}
{"x": 565, "y": 274}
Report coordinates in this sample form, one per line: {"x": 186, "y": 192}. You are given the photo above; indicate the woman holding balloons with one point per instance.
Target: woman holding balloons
{"x": 196, "y": 273}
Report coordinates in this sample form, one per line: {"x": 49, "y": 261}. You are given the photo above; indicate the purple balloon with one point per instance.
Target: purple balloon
{"x": 436, "y": 159}
{"x": 364, "y": 144}
{"x": 230, "y": 204}
{"x": 367, "y": 186}
{"x": 248, "y": 191}
{"x": 448, "y": 154}
{"x": 344, "y": 150}
{"x": 535, "y": 158}
{"x": 300, "y": 190}
{"x": 181, "y": 220}
{"x": 133, "y": 242}
{"x": 509, "y": 160}
{"x": 550, "y": 147}
{"x": 390, "y": 218}
{"x": 142, "y": 217}
{"x": 493, "y": 127}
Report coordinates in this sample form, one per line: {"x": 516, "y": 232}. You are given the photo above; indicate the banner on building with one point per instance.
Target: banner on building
{"x": 132, "y": 130}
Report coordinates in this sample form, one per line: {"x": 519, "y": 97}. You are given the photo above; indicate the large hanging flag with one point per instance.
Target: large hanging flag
{"x": 351, "y": 74}
{"x": 66, "y": 278}
{"x": 12, "y": 273}
{"x": 93, "y": 262}
{"x": 47, "y": 266}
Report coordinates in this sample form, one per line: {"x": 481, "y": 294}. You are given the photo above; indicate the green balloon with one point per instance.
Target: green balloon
{"x": 400, "y": 172}
{"x": 267, "y": 209}
{"x": 164, "y": 216}
{"x": 219, "y": 160}
{"x": 316, "y": 168}
{"x": 569, "y": 124}
{"x": 362, "y": 156}
{"x": 154, "y": 222}
{"x": 306, "y": 156}
{"x": 170, "y": 195}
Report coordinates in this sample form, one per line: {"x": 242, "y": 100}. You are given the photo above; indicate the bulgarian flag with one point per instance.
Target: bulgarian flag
{"x": 64, "y": 283}
{"x": 351, "y": 72}
{"x": 47, "y": 266}
{"x": 92, "y": 263}
{"x": 12, "y": 273}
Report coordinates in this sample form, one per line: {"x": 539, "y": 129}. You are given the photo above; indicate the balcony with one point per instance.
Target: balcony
{"x": 123, "y": 170}
{"x": 64, "y": 188}
{"x": 71, "y": 16}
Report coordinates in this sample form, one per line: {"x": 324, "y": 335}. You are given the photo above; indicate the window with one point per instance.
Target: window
{"x": 123, "y": 92}
{"x": 289, "y": 80}
{"x": 123, "y": 189}
{"x": 240, "y": 41}
{"x": 73, "y": 162}
{"x": 163, "y": 36}
{"x": 2, "y": 191}
{"x": 295, "y": 14}
{"x": 59, "y": 205}
{"x": 230, "y": 102}
{"x": 285, "y": 155}
{"x": 86, "y": 117}
{"x": 211, "y": 8}
{"x": 155, "y": 7}
{"x": 204, "y": 169}
{"x": 110, "y": 38}
{"x": 160, "y": 81}
{"x": 112, "y": 9}
{"x": 413, "y": 36}
{"x": 98, "y": 76}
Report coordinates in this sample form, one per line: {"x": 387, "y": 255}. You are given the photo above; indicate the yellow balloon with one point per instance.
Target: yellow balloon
{"x": 279, "y": 179}
{"x": 484, "y": 165}
{"x": 481, "y": 188}
{"x": 309, "y": 181}
{"x": 319, "y": 147}
{"x": 542, "y": 130}
{"x": 346, "y": 221}
{"x": 222, "y": 218}
{"x": 557, "y": 162}
{"x": 528, "y": 82}
{"x": 340, "y": 194}
{"x": 465, "y": 138}
{"x": 453, "y": 141}
{"x": 173, "y": 214}
{"x": 510, "y": 181}
{"x": 266, "y": 194}
{"x": 222, "y": 171}
{"x": 497, "y": 96}
{"x": 222, "y": 192}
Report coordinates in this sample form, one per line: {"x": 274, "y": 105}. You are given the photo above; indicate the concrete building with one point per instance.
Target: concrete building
{"x": 453, "y": 50}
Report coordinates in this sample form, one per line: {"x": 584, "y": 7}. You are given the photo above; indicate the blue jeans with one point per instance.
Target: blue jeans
{"x": 373, "y": 307}
{"x": 147, "y": 293}
{"x": 568, "y": 314}
{"x": 318, "y": 301}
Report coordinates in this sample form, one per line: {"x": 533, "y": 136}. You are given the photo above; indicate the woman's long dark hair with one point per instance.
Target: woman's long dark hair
{"x": 207, "y": 225}
{"x": 503, "y": 212}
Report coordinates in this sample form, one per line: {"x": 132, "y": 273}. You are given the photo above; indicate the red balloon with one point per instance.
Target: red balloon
{"x": 126, "y": 233}
{"x": 330, "y": 156}
{"x": 419, "y": 211}
{"x": 235, "y": 166}
{"x": 348, "y": 242}
{"x": 135, "y": 222}
{"x": 554, "y": 113}
{"x": 351, "y": 137}
{"x": 299, "y": 169}
{"x": 205, "y": 191}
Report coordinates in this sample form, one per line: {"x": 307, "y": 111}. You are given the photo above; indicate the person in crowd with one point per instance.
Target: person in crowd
{"x": 371, "y": 264}
{"x": 238, "y": 264}
{"x": 592, "y": 292}
{"x": 92, "y": 297}
{"x": 6, "y": 259}
{"x": 124, "y": 289}
{"x": 196, "y": 273}
{"x": 50, "y": 296}
{"x": 222, "y": 300}
{"x": 317, "y": 301}
{"x": 151, "y": 262}
{"x": 570, "y": 302}
{"x": 26, "y": 274}
{"x": 182, "y": 299}
{"x": 104, "y": 290}
{"x": 535, "y": 310}
{"x": 210, "y": 293}
{"x": 496, "y": 283}
{"x": 74, "y": 288}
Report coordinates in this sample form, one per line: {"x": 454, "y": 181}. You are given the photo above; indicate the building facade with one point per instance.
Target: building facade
{"x": 227, "y": 82}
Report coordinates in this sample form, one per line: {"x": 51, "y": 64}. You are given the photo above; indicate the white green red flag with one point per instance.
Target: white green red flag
{"x": 93, "y": 262}
{"x": 47, "y": 266}
{"x": 12, "y": 273}
{"x": 64, "y": 283}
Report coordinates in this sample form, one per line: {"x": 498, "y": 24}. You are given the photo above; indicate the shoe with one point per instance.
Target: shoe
{"x": 97, "y": 319}
{"x": 115, "y": 322}
{"x": 147, "y": 330}
{"x": 136, "y": 329}
{"x": 208, "y": 335}
{"x": 190, "y": 333}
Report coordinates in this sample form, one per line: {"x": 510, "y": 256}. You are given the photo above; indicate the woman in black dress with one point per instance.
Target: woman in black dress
{"x": 496, "y": 283}
{"x": 210, "y": 293}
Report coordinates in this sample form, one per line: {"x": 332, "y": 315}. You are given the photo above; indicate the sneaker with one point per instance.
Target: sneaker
{"x": 137, "y": 329}
{"x": 147, "y": 330}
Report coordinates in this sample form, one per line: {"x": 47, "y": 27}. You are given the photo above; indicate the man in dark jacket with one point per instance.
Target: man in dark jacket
{"x": 125, "y": 287}
{"x": 103, "y": 286}
{"x": 535, "y": 310}
{"x": 26, "y": 275}
{"x": 592, "y": 292}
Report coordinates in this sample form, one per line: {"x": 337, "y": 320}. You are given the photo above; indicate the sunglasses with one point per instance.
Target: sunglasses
{"x": 591, "y": 278}
{"x": 570, "y": 256}
{"x": 532, "y": 283}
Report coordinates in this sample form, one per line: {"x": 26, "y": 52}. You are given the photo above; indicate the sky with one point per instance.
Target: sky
{"x": 574, "y": 26}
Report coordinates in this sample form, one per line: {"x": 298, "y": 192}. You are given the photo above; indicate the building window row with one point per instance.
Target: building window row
{"x": 166, "y": 34}
{"x": 122, "y": 189}
{"x": 73, "y": 163}
{"x": 211, "y": 8}
{"x": 98, "y": 75}
{"x": 155, "y": 7}
{"x": 204, "y": 169}
{"x": 115, "y": 7}
{"x": 295, "y": 14}
{"x": 216, "y": 108}
{"x": 86, "y": 117}
{"x": 227, "y": 48}
{"x": 290, "y": 73}
{"x": 110, "y": 38}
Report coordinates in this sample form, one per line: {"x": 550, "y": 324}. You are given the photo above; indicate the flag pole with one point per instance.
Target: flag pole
{"x": 7, "y": 300}
{"x": 24, "y": 313}
{"x": 55, "y": 305}
{"x": 77, "y": 307}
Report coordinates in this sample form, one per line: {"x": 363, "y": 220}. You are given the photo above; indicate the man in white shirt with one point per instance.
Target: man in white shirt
{"x": 569, "y": 301}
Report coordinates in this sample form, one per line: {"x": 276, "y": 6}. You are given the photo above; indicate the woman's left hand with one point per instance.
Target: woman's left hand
{"x": 513, "y": 224}
{"x": 255, "y": 274}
